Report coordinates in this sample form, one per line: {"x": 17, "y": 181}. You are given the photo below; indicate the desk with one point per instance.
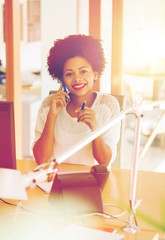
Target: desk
{"x": 117, "y": 187}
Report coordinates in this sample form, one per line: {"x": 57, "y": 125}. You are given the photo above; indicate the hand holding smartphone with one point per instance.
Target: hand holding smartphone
{"x": 65, "y": 90}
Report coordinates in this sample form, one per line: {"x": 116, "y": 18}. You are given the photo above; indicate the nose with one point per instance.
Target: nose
{"x": 77, "y": 77}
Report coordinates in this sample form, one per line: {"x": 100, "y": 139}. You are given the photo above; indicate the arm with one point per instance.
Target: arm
{"x": 101, "y": 151}
{"x": 43, "y": 148}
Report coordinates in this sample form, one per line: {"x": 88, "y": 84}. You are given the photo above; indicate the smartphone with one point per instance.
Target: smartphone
{"x": 65, "y": 89}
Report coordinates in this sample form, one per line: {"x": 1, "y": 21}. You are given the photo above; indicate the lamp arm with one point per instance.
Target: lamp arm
{"x": 31, "y": 178}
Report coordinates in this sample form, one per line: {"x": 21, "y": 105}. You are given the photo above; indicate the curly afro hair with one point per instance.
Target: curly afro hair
{"x": 72, "y": 46}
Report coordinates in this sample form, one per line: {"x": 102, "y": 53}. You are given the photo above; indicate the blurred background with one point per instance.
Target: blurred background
{"x": 133, "y": 36}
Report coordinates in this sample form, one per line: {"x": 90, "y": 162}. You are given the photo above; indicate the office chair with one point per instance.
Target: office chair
{"x": 153, "y": 121}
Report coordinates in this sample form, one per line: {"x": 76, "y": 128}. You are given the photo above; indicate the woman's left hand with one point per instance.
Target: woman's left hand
{"x": 88, "y": 116}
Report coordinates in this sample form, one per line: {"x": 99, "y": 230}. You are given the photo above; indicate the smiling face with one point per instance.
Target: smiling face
{"x": 79, "y": 76}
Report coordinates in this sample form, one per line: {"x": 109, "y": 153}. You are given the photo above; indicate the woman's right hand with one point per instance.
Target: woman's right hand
{"x": 58, "y": 101}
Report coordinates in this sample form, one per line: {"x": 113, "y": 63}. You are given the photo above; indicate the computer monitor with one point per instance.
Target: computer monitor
{"x": 7, "y": 135}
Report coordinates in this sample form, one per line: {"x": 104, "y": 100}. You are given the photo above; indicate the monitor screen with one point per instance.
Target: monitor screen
{"x": 7, "y": 135}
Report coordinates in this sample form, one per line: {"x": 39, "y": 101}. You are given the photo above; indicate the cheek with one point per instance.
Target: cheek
{"x": 67, "y": 80}
{"x": 92, "y": 78}
{"x": 68, "y": 84}
{"x": 91, "y": 82}
{"x": 89, "y": 76}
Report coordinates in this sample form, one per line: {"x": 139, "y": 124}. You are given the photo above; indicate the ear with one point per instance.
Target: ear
{"x": 95, "y": 76}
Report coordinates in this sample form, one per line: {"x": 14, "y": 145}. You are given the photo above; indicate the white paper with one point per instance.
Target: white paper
{"x": 78, "y": 232}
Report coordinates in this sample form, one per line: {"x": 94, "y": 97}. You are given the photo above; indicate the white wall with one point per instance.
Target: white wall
{"x": 106, "y": 37}
{"x": 143, "y": 43}
{"x": 83, "y": 16}
{"x": 58, "y": 19}
{"x": 144, "y": 32}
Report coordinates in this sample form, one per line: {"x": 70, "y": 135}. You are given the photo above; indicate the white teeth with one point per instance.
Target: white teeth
{"x": 78, "y": 86}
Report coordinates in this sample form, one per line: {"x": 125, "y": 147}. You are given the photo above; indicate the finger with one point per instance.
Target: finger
{"x": 84, "y": 118}
{"x": 61, "y": 103}
{"x": 60, "y": 88}
{"x": 87, "y": 121}
{"x": 58, "y": 98}
{"x": 90, "y": 122}
{"x": 62, "y": 93}
{"x": 61, "y": 99}
{"x": 80, "y": 109}
{"x": 86, "y": 112}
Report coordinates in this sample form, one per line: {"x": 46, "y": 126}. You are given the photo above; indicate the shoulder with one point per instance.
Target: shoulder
{"x": 108, "y": 100}
{"x": 45, "y": 103}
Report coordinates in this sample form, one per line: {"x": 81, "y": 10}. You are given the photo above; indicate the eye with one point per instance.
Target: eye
{"x": 68, "y": 74}
{"x": 83, "y": 71}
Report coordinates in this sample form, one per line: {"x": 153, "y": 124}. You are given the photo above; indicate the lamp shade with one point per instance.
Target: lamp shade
{"x": 11, "y": 185}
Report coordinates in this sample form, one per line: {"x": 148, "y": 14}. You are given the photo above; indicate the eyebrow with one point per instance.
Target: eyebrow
{"x": 78, "y": 68}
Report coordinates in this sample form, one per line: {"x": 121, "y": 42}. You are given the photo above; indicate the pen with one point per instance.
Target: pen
{"x": 83, "y": 105}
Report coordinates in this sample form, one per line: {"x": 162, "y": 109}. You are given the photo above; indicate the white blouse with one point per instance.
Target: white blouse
{"x": 69, "y": 132}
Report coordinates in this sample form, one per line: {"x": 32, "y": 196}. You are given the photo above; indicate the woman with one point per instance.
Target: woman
{"x": 78, "y": 61}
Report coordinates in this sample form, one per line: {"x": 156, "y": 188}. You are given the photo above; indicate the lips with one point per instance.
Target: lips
{"x": 78, "y": 86}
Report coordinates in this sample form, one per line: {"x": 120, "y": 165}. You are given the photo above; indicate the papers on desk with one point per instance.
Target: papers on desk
{"x": 78, "y": 232}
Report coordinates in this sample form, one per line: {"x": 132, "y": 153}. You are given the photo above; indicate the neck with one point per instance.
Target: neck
{"x": 77, "y": 101}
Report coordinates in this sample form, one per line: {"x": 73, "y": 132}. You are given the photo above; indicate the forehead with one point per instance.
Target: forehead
{"x": 76, "y": 63}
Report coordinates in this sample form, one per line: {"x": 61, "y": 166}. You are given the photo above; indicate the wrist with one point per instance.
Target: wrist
{"x": 52, "y": 115}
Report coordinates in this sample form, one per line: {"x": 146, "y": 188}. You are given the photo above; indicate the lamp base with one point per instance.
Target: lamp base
{"x": 131, "y": 228}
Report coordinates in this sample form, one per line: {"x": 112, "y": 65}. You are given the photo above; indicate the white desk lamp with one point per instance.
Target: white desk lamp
{"x": 14, "y": 184}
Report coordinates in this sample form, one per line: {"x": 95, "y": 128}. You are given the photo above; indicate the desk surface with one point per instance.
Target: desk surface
{"x": 150, "y": 188}
{"x": 145, "y": 73}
